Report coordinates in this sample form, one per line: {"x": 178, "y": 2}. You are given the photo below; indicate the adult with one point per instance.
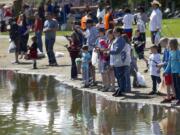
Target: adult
{"x": 108, "y": 18}
{"x": 142, "y": 19}
{"x": 2, "y": 19}
{"x": 100, "y": 11}
{"x": 38, "y": 27}
{"x": 142, "y": 14}
{"x": 120, "y": 61}
{"x": 155, "y": 19}
{"x": 74, "y": 50}
{"x": 24, "y": 32}
{"x": 128, "y": 21}
{"x": 50, "y": 28}
{"x": 14, "y": 34}
{"x": 41, "y": 11}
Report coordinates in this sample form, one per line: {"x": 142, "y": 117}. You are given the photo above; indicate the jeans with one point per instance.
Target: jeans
{"x": 73, "y": 68}
{"x": 176, "y": 81}
{"x": 39, "y": 40}
{"x": 153, "y": 35}
{"x": 85, "y": 75}
{"x": 122, "y": 75}
{"x": 155, "y": 80}
{"x": 49, "y": 49}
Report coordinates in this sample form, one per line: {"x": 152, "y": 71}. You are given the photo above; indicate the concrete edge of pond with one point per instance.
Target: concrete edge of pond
{"x": 106, "y": 95}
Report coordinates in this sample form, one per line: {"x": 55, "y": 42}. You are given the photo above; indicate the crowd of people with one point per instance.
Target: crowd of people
{"x": 114, "y": 49}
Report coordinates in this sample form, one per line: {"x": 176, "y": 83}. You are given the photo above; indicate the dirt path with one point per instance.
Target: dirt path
{"x": 62, "y": 73}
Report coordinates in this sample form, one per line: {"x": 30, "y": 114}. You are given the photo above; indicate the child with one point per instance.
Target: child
{"x": 110, "y": 72}
{"x": 103, "y": 59}
{"x": 33, "y": 51}
{"x": 154, "y": 60}
{"x": 133, "y": 66}
{"x": 139, "y": 45}
{"x": 86, "y": 57}
{"x": 173, "y": 67}
{"x": 142, "y": 29}
{"x": 168, "y": 77}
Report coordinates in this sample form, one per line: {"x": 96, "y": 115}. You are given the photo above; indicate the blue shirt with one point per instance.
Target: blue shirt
{"x": 86, "y": 57}
{"x": 91, "y": 36}
{"x": 166, "y": 58}
{"x": 50, "y": 24}
{"x": 174, "y": 62}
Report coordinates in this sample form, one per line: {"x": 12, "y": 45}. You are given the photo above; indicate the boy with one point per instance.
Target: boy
{"x": 154, "y": 60}
{"x": 86, "y": 57}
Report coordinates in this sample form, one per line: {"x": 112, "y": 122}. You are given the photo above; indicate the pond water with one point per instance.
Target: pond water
{"x": 40, "y": 105}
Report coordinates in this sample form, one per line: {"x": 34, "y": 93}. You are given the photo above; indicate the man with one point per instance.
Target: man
{"x": 38, "y": 26}
{"x": 50, "y": 28}
{"x": 155, "y": 20}
{"x": 91, "y": 35}
{"x": 108, "y": 19}
{"x": 100, "y": 11}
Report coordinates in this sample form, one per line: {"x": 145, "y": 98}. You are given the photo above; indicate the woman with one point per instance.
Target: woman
{"x": 74, "y": 50}
{"x": 24, "y": 34}
{"x": 15, "y": 37}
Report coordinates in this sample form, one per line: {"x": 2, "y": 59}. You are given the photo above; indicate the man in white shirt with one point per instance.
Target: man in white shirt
{"x": 128, "y": 21}
{"x": 155, "y": 20}
{"x": 100, "y": 11}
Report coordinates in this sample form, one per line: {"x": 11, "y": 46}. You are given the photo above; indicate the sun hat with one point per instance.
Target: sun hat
{"x": 155, "y": 2}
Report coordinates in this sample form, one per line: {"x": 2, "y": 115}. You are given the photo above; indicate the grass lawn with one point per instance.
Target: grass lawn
{"x": 170, "y": 28}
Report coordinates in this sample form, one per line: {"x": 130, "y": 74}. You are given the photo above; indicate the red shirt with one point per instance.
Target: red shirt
{"x": 38, "y": 25}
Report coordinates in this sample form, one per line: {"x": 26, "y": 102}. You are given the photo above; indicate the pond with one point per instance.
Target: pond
{"x": 40, "y": 105}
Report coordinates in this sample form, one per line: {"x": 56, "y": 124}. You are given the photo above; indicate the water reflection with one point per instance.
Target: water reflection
{"x": 39, "y": 105}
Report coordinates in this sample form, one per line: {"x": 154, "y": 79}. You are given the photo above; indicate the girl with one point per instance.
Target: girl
{"x": 173, "y": 67}
{"x": 168, "y": 77}
{"x": 24, "y": 32}
{"x": 110, "y": 72}
{"x": 33, "y": 51}
{"x": 103, "y": 59}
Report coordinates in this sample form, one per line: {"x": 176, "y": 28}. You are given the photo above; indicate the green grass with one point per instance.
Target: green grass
{"x": 170, "y": 28}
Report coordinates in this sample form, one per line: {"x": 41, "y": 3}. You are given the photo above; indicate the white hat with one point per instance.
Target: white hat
{"x": 155, "y": 2}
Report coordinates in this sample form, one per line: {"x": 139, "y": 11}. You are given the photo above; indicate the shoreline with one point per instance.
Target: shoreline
{"x": 107, "y": 95}
{"x": 62, "y": 74}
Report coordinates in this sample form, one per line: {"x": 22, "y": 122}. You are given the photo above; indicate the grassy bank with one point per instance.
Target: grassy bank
{"x": 170, "y": 28}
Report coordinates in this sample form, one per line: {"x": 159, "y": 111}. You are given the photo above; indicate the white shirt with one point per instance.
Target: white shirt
{"x": 128, "y": 21}
{"x": 99, "y": 25}
{"x": 155, "y": 20}
{"x": 100, "y": 14}
{"x": 154, "y": 59}
{"x": 141, "y": 26}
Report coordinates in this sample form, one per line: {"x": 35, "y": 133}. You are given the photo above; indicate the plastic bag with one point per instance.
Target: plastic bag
{"x": 162, "y": 87}
{"x": 94, "y": 58}
{"x": 140, "y": 79}
{"x": 12, "y": 47}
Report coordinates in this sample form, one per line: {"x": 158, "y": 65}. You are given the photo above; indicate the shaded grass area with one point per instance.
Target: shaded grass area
{"x": 170, "y": 28}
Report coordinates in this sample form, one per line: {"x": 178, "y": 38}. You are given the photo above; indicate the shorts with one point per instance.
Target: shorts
{"x": 168, "y": 79}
